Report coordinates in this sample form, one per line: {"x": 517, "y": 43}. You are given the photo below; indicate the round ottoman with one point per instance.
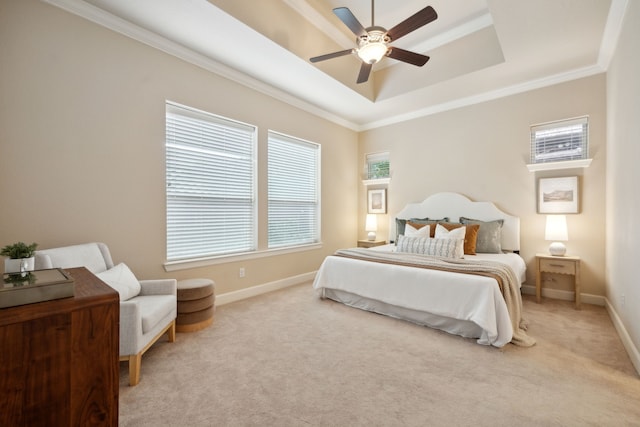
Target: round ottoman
{"x": 196, "y": 304}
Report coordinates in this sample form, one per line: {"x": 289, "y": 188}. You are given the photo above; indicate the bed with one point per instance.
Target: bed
{"x": 473, "y": 296}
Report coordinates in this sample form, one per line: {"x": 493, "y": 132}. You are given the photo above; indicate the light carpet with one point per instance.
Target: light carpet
{"x": 288, "y": 358}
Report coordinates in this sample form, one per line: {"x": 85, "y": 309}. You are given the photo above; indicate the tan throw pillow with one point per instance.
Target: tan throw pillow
{"x": 432, "y": 222}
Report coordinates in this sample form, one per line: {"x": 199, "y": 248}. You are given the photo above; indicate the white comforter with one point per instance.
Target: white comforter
{"x": 459, "y": 296}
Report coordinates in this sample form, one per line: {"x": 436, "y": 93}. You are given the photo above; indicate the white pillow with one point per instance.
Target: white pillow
{"x": 456, "y": 233}
{"x": 122, "y": 280}
{"x": 411, "y": 231}
{"x": 449, "y": 248}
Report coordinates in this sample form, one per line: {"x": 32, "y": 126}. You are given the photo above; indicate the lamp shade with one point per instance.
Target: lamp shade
{"x": 556, "y": 231}
{"x": 372, "y": 52}
{"x": 371, "y": 225}
{"x": 556, "y": 228}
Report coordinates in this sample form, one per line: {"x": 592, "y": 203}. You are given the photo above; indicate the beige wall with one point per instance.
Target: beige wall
{"x": 481, "y": 151}
{"x": 623, "y": 193}
{"x": 82, "y": 157}
{"x": 82, "y": 145}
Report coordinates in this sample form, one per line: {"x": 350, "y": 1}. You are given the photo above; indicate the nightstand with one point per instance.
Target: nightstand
{"x": 569, "y": 265}
{"x": 371, "y": 243}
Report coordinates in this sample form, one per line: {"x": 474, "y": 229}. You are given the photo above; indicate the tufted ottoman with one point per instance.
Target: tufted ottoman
{"x": 196, "y": 304}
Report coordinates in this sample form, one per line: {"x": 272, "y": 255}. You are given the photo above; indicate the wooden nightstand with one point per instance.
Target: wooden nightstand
{"x": 558, "y": 265}
{"x": 371, "y": 243}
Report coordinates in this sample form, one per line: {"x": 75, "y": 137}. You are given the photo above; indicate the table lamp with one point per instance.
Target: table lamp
{"x": 556, "y": 231}
{"x": 371, "y": 225}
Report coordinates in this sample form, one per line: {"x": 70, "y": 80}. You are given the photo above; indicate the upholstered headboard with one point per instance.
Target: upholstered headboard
{"x": 453, "y": 206}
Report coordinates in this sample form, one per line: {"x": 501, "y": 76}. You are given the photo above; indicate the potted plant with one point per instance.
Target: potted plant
{"x": 20, "y": 257}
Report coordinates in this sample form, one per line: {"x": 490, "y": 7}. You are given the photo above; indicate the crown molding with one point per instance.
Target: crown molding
{"x": 488, "y": 96}
{"x": 612, "y": 30}
{"x": 128, "y": 29}
{"x": 94, "y": 14}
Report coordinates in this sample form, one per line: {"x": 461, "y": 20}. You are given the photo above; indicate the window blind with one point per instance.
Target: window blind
{"x": 293, "y": 196}
{"x": 560, "y": 141}
{"x": 210, "y": 184}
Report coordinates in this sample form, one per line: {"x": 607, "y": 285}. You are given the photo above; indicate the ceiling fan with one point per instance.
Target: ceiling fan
{"x": 374, "y": 42}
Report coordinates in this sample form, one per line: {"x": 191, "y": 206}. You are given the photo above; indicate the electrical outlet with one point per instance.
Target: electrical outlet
{"x": 622, "y": 300}
{"x": 241, "y": 273}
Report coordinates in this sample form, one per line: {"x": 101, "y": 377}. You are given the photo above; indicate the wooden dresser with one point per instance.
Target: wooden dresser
{"x": 59, "y": 359}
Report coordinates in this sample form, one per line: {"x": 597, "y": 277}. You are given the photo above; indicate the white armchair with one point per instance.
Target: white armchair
{"x": 148, "y": 308}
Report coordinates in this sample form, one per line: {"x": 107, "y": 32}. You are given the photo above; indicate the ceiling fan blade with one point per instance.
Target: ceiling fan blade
{"x": 365, "y": 70}
{"x": 413, "y": 22}
{"x": 331, "y": 55}
{"x": 407, "y": 56}
{"x": 350, "y": 21}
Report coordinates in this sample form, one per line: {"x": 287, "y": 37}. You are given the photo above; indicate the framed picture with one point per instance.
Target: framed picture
{"x": 377, "y": 201}
{"x": 558, "y": 195}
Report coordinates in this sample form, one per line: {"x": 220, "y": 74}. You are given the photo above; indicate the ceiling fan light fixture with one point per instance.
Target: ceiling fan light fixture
{"x": 374, "y": 42}
{"x": 373, "y": 46}
{"x": 372, "y": 52}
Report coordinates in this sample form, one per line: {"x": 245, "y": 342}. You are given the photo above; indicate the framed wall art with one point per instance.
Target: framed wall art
{"x": 558, "y": 195}
{"x": 377, "y": 201}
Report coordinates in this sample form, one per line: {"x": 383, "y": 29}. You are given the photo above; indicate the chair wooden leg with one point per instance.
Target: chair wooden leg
{"x": 172, "y": 332}
{"x": 135, "y": 360}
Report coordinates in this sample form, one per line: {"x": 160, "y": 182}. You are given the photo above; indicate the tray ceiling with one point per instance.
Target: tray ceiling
{"x": 479, "y": 49}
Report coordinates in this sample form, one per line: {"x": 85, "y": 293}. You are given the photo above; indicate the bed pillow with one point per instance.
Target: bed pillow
{"x": 401, "y": 224}
{"x": 470, "y": 236}
{"x": 454, "y": 233}
{"x": 448, "y": 248}
{"x": 417, "y": 230}
{"x": 122, "y": 280}
{"x": 429, "y": 221}
{"x": 489, "y": 235}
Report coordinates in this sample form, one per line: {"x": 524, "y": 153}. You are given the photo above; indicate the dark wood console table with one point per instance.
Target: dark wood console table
{"x": 59, "y": 359}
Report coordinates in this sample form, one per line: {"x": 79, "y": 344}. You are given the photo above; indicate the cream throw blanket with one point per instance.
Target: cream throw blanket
{"x": 503, "y": 274}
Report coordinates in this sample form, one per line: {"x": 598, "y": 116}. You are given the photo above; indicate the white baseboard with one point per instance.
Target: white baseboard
{"x": 565, "y": 295}
{"x": 632, "y": 350}
{"x": 253, "y": 291}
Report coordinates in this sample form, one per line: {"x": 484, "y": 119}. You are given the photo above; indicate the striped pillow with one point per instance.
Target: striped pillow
{"x": 448, "y": 248}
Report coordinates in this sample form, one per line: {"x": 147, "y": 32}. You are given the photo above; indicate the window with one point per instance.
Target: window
{"x": 293, "y": 191}
{"x": 377, "y": 166}
{"x": 560, "y": 141}
{"x": 210, "y": 184}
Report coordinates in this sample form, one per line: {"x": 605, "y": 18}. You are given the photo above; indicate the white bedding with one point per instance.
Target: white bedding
{"x": 463, "y": 304}
{"x": 514, "y": 261}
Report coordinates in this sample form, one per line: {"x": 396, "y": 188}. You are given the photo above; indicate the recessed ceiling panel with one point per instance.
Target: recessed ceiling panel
{"x": 463, "y": 56}
{"x": 479, "y": 49}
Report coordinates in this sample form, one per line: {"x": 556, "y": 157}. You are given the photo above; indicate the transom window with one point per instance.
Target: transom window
{"x": 378, "y": 166}
{"x": 560, "y": 141}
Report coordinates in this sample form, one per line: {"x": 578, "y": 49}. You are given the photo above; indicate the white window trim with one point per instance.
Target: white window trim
{"x": 222, "y": 259}
{"x": 378, "y": 181}
{"x": 187, "y": 111}
{"x": 318, "y": 183}
{"x": 568, "y": 164}
{"x": 565, "y": 164}
{"x": 376, "y": 158}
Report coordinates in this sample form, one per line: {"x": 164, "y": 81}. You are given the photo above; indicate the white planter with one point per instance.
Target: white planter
{"x": 17, "y": 265}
